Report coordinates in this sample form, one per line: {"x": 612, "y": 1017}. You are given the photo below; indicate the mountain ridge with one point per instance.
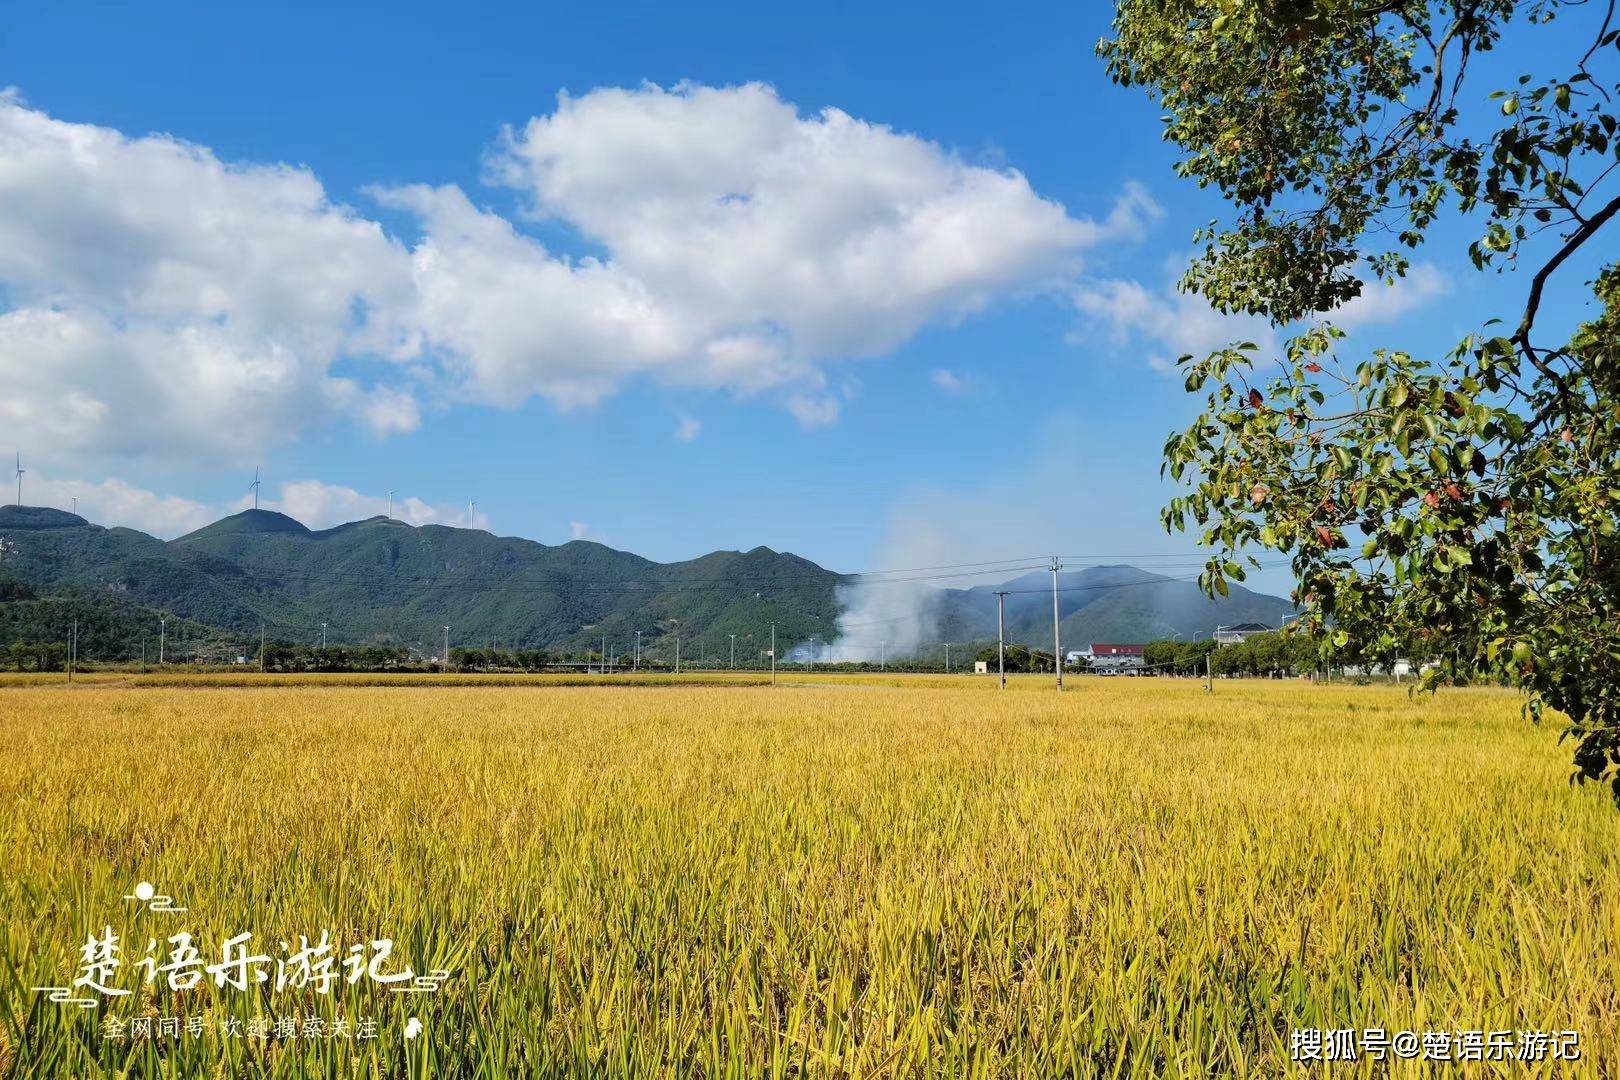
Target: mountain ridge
{"x": 382, "y": 580}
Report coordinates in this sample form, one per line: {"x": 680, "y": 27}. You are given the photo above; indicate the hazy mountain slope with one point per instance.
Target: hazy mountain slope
{"x": 1168, "y": 609}
{"x": 1116, "y": 604}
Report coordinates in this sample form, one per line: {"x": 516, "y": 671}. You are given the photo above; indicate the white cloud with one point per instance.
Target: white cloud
{"x": 1380, "y": 303}
{"x": 748, "y": 244}
{"x": 814, "y": 410}
{"x": 1170, "y": 324}
{"x": 578, "y": 530}
{"x": 165, "y": 303}
{"x": 948, "y": 381}
{"x": 320, "y": 505}
{"x": 114, "y": 502}
{"x": 688, "y": 428}
{"x": 159, "y": 302}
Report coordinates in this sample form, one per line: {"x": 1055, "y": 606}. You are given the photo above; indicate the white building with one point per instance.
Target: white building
{"x": 1107, "y": 658}
{"x": 1233, "y": 635}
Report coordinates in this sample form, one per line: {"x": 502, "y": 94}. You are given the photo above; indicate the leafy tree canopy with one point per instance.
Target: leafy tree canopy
{"x": 1460, "y": 508}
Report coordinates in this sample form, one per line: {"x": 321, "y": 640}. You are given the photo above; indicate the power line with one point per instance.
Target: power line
{"x": 562, "y": 582}
{"x": 950, "y": 565}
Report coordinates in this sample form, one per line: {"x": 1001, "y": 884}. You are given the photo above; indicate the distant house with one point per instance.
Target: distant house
{"x": 1109, "y": 658}
{"x": 981, "y": 667}
{"x": 1234, "y": 635}
{"x": 1401, "y": 668}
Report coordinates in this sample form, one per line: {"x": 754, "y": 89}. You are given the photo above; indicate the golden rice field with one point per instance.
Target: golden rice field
{"x": 842, "y": 877}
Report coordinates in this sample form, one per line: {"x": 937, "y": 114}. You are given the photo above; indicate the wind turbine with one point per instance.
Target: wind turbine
{"x": 255, "y": 487}
{"x": 19, "y": 477}
{"x": 472, "y": 513}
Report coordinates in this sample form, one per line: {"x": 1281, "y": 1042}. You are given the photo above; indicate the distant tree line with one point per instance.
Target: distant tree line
{"x": 34, "y": 656}
{"x": 1018, "y": 659}
{"x": 1169, "y": 656}
{"x": 282, "y": 656}
{"x": 504, "y": 659}
{"x": 1272, "y": 654}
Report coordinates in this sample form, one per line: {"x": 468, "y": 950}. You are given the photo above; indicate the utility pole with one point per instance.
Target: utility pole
{"x": 638, "y": 650}
{"x": 261, "y": 648}
{"x": 733, "y": 652}
{"x": 1001, "y": 638}
{"x": 161, "y": 624}
{"x": 604, "y": 654}
{"x": 947, "y": 658}
{"x": 883, "y": 655}
{"x": 323, "y": 636}
{"x": 73, "y": 650}
{"x": 677, "y": 651}
{"x": 773, "y": 654}
{"x": 444, "y": 655}
{"x": 1209, "y": 675}
{"x": 1057, "y": 637}
{"x": 143, "y": 652}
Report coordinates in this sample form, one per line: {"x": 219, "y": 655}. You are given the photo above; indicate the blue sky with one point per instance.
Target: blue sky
{"x": 1019, "y": 407}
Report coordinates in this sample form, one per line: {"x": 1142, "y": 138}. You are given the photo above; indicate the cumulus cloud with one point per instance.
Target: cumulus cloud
{"x": 688, "y": 428}
{"x": 1171, "y": 324}
{"x": 948, "y": 381}
{"x": 770, "y": 240}
{"x": 741, "y": 245}
{"x": 161, "y": 302}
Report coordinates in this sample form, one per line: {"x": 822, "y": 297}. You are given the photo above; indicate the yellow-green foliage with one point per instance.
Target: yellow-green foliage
{"x": 838, "y": 877}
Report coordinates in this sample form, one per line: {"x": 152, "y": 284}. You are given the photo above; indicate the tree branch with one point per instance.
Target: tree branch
{"x": 1533, "y": 304}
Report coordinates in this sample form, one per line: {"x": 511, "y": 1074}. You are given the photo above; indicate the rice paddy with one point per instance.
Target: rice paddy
{"x": 836, "y": 876}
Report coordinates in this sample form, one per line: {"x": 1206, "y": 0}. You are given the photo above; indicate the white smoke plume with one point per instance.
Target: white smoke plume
{"x": 879, "y": 620}
{"x": 893, "y": 615}
{"x": 1027, "y": 508}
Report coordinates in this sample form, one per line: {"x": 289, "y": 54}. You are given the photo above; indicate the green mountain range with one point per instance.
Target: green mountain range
{"x": 382, "y": 581}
